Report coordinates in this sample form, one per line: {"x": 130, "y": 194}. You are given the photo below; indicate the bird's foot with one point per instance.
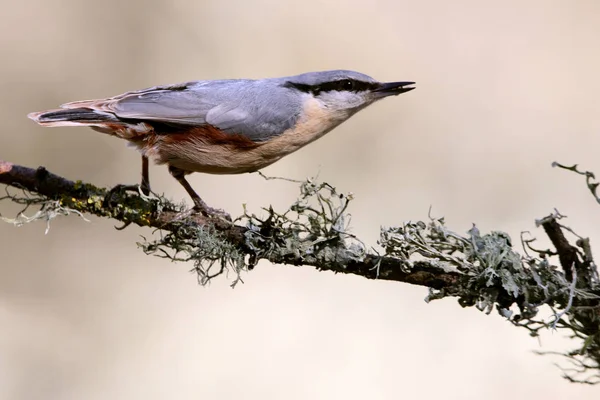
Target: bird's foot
{"x": 201, "y": 207}
{"x": 141, "y": 190}
{"x": 108, "y": 202}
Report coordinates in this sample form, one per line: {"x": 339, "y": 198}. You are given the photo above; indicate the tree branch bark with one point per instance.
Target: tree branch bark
{"x": 87, "y": 198}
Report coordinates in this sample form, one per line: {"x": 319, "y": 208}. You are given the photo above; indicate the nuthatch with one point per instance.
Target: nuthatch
{"x": 225, "y": 126}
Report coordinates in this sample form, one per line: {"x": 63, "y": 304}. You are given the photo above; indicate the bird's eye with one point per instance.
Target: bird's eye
{"x": 346, "y": 84}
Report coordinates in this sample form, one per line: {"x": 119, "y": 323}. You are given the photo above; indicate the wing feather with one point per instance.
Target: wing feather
{"x": 233, "y": 106}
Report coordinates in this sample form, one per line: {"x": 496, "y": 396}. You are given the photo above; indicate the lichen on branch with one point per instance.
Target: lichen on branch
{"x": 479, "y": 269}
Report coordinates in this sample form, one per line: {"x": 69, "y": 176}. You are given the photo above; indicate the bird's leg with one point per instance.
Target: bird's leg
{"x": 145, "y": 186}
{"x": 199, "y": 204}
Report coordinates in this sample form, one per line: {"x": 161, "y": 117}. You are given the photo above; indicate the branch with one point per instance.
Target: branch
{"x": 481, "y": 270}
{"x": 164, "y": 215}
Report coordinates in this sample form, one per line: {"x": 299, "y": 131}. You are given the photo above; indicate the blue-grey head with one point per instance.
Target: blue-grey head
{"x": 344, "y": 92}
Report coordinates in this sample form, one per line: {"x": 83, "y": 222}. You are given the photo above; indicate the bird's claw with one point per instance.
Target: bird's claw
{"x": 201, "y": 207}
{"x": 108, "y": 198}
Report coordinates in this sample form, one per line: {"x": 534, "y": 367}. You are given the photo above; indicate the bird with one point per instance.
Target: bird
{"x": 226, "y": 126}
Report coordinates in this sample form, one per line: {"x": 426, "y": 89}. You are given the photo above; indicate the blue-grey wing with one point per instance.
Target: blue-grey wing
{"x": 258, "y": 112}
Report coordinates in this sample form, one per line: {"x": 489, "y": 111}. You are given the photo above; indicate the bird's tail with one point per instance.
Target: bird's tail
{"x": 72, "y": 117}
{"x": 98, "y": 120}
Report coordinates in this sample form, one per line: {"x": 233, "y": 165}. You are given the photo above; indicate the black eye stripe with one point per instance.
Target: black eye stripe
{"x": 348, "y": 85}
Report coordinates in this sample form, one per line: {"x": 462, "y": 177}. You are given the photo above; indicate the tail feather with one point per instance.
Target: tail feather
{"x": 101, "y": 121}
{"x": 71, "y": 117}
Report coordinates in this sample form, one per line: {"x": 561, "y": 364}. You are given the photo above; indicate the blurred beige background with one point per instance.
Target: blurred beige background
{"x": 503, "y": 89}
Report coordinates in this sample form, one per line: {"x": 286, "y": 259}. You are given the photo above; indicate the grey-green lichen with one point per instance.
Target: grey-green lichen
{"x": 494, "y": 273}
{"x": 209, "y": 251}
{"x": 315, "y": 228}
{"x": 517, "y": 286}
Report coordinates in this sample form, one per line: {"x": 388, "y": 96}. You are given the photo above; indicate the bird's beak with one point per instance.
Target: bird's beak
{"x": 394, "y": 88}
